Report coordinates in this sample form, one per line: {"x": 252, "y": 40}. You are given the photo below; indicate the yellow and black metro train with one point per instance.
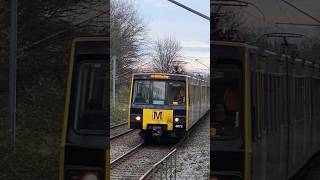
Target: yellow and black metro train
{"x": 84, "y": 146}
{"x": 166, "y": 104}
{"x": 266, "y": 109}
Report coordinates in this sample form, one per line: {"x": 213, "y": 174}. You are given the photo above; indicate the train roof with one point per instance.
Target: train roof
{"x": 91, "y": 45}
{"x": 266, "y": 51}
{"x": 169, "y": 74}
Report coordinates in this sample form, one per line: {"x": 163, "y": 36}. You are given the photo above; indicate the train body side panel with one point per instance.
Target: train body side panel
{"x": 198, "y": 100}
{"x": 282, "y": 120}
{"x": 194, "y": 102}
{"x": 191, "y": 106}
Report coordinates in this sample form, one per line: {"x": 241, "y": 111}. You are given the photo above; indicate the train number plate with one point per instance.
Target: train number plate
{"x": 157, "y": 115}
{"x": 178, "y": 126}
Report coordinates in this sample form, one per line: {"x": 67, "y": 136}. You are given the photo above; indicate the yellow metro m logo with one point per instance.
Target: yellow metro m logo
{"x": 157, "y": 115}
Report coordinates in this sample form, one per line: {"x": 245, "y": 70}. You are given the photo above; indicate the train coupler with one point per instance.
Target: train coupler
{"x": 157, "y": 131}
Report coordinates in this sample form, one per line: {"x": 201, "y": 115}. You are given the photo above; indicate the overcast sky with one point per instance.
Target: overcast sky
{"x": 165, "y": 19}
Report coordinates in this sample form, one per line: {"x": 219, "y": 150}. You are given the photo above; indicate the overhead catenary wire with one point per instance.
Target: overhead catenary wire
{"x": 266, "y": 21}
{"x": 189, "y": 9}
{"x": 298, "y": 24}
{"x": 60, "y": 32}
{"x": 301, "y": 11}
{"x": 128, "y": 72}
{"x": 197, "y": 60}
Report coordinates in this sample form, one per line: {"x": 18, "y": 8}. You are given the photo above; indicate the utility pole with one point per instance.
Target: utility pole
{"x": 114, "y": 58}
{"x": 13, "y": 72}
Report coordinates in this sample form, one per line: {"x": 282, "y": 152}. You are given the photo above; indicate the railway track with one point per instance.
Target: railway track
{"x": 138, "y": 161}
{"x": 122, "y": 140}
{"x": 120, "y": 130}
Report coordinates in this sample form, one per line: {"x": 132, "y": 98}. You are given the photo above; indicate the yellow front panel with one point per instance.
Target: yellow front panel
{"x": 129, "y": 107}
{"x": 157, "y": 116}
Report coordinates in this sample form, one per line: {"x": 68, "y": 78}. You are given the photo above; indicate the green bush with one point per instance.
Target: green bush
{"x": 120, "y": 113}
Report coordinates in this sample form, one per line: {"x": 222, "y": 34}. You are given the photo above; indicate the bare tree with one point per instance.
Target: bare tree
{"x": 166, "y": 54}
{"x": 226, "y": 23}
{"x": 128, "y": 32}
{"x": 44, "y": 31}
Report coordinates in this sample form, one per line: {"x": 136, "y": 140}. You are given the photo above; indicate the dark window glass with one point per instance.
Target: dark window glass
{"x": 91, "y": 100}
{"x": 227, "y": 100}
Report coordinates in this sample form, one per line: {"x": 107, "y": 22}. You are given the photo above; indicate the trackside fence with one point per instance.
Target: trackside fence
{"x": 166, "y": 168}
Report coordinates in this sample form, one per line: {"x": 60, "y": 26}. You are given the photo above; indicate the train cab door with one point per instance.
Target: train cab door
{"x": 84, "y": 150}
{"x": 229, "y": 125}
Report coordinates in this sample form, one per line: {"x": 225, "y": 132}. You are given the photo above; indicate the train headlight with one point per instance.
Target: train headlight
{"x": 90, "y": 176}
{"x": 83, "y": 173}
{"x": 176, "y": 119}
{"x": 138, "y": 118}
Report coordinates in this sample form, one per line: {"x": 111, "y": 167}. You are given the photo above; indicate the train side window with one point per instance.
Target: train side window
{"x": 254, "y": 118}
{"x": 273, "y": 103}
{"x": 278, "y": 100}
{"x": 263, "y": 102}
{"x": 260, "y": 105}
{"x": 266, "y": 103}
{"x": 227, "y": 97}
{"x": 270, "y": 104}
{"x": 189, "y": 92}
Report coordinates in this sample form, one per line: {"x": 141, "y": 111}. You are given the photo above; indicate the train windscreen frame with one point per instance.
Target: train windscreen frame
{"x": 159, "y": 92}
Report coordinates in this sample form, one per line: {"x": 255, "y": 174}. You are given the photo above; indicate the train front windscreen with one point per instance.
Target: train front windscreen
{"x": 159, "y": 92}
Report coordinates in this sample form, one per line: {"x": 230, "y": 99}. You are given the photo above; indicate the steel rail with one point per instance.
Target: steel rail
{"x": 122, "y": 134}
{"x": 117, "y": 125}
{"x": 114, "y": 162}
